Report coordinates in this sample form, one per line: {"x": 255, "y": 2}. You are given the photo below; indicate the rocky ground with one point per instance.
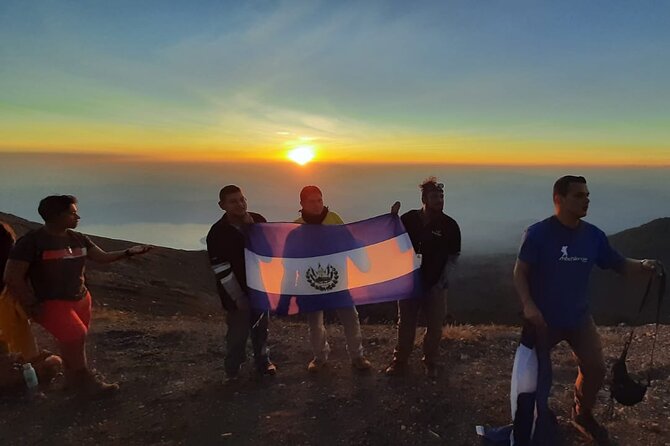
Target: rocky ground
{"x": 172, "y": 390}
{"x": 158, "y": 329}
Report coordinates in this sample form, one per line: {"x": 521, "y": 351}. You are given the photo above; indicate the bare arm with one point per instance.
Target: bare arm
{"x": 530, "y": 310}
{"x": 98, "y": 255}
{"x": 16, "y": 279}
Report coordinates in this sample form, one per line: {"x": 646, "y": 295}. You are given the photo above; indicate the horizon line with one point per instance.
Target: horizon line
{"x": 173, "y": 159}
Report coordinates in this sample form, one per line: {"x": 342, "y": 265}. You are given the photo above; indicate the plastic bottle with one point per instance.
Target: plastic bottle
{"x": 30, "y": 377}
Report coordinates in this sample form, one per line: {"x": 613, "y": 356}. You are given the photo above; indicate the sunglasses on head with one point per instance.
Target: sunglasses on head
{"x": 433, "y": 186}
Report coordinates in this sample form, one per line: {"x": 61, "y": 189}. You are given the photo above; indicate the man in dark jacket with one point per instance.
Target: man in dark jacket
{"x": 225, "y": 246}
{"x": 435, "y": 237}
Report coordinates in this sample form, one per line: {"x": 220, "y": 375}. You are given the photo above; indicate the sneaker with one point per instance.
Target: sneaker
{"x": 315, "y": 365}
{"x": 396, "y": 368}
{"x": 361, "y": 363}
{"x": 590, "y": 428}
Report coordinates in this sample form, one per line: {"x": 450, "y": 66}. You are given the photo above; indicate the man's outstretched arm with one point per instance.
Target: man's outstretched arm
{"x": 636, "y": 267}
{"x": 99, "y": 256}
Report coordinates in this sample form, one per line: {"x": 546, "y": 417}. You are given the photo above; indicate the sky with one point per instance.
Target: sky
{"x": 457, "y": 82}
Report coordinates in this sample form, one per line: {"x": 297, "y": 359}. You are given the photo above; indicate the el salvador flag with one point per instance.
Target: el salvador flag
{"x": 299, "y": 268}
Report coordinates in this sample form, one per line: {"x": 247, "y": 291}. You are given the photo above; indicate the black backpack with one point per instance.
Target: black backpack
{"x": 623, "y": 388}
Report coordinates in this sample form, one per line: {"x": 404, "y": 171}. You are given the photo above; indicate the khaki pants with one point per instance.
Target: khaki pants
{"x": 352, "y": 332}
{"x": 434, "y": 307}
{"x": 588, "y": 351}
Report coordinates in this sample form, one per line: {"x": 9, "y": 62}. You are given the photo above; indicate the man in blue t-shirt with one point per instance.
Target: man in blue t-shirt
{"x": 551, "y": 277}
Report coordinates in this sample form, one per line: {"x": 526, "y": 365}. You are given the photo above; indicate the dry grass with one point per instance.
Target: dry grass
{"x": 464, "y": 333}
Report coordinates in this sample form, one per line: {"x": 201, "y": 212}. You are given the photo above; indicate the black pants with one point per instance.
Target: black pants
{"x": 241, "y": 324}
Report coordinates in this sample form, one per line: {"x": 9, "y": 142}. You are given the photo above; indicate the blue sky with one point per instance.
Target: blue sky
{"x": 508, "y": 78}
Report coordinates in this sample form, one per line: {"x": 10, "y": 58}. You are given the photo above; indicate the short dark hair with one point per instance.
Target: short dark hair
{"x": 54, "y": 205}
{"x": 430, "y": 184}
{"x": 309, "y": 190}
{"x": 228, "y": 190}
{"x": 562, "y": 185}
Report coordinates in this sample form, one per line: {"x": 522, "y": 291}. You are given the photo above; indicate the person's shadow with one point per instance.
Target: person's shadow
{"x": 318, "y": 282}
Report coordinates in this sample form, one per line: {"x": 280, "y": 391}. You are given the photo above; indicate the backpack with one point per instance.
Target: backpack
{"x": 623, "y": 388}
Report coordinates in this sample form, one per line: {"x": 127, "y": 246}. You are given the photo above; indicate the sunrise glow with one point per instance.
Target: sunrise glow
{"x": 302, "y": 155}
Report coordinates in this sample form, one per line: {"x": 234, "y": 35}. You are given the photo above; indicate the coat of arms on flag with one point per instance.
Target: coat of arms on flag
{"x": 293, "y": 268}
{"x": 322, "y": 279}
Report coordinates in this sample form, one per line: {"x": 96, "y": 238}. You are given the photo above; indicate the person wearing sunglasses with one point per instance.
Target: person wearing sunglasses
{"x": 436, "y": 238}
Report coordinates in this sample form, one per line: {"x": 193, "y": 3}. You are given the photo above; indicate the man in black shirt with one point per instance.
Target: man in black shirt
{"x": 435, "y": 237}
{"x": 225, "y": 246}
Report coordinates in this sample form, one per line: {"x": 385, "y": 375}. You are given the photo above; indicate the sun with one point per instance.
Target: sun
{"x": 302, "y": 155}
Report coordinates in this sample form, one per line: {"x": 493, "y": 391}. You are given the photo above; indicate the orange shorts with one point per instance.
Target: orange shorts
{"x": 67, "y": 320}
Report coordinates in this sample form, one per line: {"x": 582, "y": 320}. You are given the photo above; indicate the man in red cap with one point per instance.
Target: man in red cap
{"x": 314, "y": 212}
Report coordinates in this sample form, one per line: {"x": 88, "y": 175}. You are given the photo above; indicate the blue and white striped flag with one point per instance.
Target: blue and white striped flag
{"x": 298, "y": 268}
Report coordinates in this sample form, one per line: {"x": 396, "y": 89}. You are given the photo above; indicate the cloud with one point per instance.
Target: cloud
{"x": 342, "y": 72}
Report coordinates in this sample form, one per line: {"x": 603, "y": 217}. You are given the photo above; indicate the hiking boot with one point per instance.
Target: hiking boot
{"x": 361, "y": 363}
{"x": 268, "y": 369}
{"x": 231, "y": 378}
{"x": 590, "y": 428}
{"x": 48, "y": 370}
{"x": 315, "y": 365}
{"x": 431, "y": 369}
{"x": 396, "y": 368}
{"x": 89, "y": 384}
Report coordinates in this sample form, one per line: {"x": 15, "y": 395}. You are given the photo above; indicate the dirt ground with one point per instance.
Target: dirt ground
{"x": 173, "y": 392}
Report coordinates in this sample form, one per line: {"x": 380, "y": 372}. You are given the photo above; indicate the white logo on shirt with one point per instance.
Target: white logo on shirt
{"x": 565, "y": 257}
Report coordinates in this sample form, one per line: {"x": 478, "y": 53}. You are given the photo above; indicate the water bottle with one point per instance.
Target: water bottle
{"x": 30, "y": 377}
